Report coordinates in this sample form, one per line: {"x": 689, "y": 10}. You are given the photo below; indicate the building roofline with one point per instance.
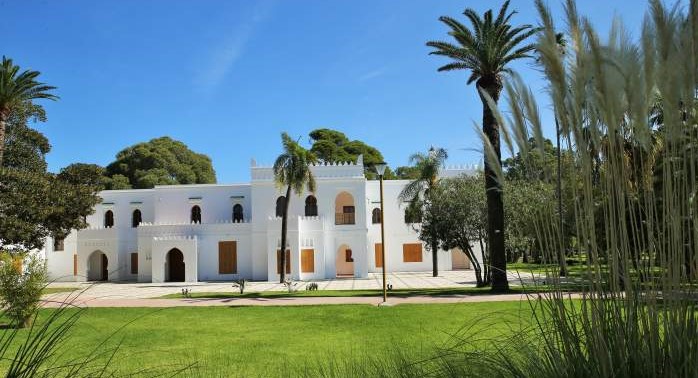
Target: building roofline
{"x": 199, "y": 186}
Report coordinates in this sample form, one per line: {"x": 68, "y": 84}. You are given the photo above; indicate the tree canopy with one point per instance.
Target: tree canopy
{"x": 457, "y": 218}
{"x": 25, "y": 148}
{"x": 34, "y": 203}
{"x": 160, "y": 161}
{"x": 334, "y": 146}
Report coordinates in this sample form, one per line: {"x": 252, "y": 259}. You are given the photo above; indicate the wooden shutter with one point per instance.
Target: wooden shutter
{"x": 75, "y": 265}
{"x": 134, "y": 263}
{"x": 227, "y": 257}
{"x": 307, "y": 260}
{"x": 412, "y": 252}
{"x": 278, "y": 261}
{"x": 379, "y": 254}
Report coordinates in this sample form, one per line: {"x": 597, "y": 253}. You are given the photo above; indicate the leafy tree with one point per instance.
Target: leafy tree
{"x": 84, "y": 174}
{"x": 15, "y": 90}
{"x": 457, "y": 218}
{"x": 406, "y": 173}
{"x": 486, "y": 50}
{"x": 35, "y": 204}
{"x": 418, "y": 190}
{"x": 524, "y": 204}
{"x": 334, "y": 146}
{"x": 292, "y": 170}
{"x": 535, "y": 165}
{"x": 534, "y": 169}
{"x": 160, "y": 161}
{"x": 25, "y": 147}
{"x": 117, "y": 182}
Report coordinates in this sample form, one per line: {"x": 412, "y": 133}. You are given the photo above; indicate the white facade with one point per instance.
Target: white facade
{"x": 338, "y": 237}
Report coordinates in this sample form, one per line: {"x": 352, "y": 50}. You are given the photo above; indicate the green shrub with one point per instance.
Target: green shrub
{"x": 22, "y": 280}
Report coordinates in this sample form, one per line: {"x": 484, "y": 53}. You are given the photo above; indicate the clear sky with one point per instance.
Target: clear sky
{"x": 226, "y": 77}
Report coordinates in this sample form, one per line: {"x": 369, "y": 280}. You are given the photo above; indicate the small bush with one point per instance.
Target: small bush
{"x": 240, "y": 284}
{"x": 21, "y": 286}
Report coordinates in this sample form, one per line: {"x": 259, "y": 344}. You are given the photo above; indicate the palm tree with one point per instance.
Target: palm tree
{"x": 292, "y": 170}
{"x": 486, "y": 49}
{"x": 17, "y": 88}
{"x": 427, "y": 167}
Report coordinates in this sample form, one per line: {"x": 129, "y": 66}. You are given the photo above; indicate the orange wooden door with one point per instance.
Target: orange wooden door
{"x": 227, "y": 257}
{"x": 308, "y": 260}
{"x": 412, "y": 252}
{"x": 378, "y": 247}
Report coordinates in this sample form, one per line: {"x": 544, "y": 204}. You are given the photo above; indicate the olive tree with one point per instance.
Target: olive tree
{"x": 456, "y": 217}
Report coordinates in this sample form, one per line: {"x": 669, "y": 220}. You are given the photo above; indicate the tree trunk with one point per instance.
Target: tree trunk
{"x": 284, "y": 226}
{"x": 485, "y": 260}
{"x": 492, "y": 85}
{"x": 3, "y": 124}
{"x": 435, "y": 258}
{"x": 479, "y": 281}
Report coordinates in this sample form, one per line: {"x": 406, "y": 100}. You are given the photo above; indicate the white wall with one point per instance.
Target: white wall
{"x": 397, "y": 232}
{"x": 166, "y": 214}
{"x": 60, "y": 263}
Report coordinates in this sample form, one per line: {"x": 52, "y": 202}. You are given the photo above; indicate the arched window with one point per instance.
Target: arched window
{"x": 136, "y": 218}
{"x": 237, "y": 213}
{"x": 280, "y": 206}
{"x": 376, "y": 215}
{"x": 344, "y": 209}
{"x": 109, "y": 219}
{"x": 195, "y": 214}
{"x": 310, "y": 206}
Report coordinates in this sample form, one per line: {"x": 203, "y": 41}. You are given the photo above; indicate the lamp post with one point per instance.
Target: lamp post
{"x": 380, "y": 169}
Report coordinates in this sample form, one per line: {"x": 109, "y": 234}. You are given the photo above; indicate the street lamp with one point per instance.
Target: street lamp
{"x": 380, "y": 169}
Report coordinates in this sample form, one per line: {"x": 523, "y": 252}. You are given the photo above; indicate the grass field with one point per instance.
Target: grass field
{"x": 273, "y": 341}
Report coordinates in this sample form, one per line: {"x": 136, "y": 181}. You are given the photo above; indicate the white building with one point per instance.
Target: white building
{"x": 224, "y": 232}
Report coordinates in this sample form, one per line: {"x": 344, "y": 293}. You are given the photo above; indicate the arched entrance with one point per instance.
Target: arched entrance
{"x": 97, "y": 267}
{"x": 174, "y": 266}
{"x": 345, "y": 261}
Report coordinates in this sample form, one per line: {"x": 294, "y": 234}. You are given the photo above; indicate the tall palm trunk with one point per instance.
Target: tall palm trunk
{"x": 495, "y": 205}
{"x": 284, "y": 227}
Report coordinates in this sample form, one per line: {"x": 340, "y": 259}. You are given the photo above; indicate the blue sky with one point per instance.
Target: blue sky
{"x": 226, "y": 77}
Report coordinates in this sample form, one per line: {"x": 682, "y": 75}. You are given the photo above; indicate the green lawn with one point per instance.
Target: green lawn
{"x": 273, "y": 341}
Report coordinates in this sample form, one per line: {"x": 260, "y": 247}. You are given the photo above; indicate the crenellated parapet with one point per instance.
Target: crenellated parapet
{"x": 175, "y": 237}
{"x": 321, "y": 170}
{"x": 457, "y": 170}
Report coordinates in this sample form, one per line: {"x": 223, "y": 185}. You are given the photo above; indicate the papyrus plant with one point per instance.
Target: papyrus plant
{"x": 626, "y": 110}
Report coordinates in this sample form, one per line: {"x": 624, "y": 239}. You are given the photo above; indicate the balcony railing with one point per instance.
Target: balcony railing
{"x": 344, "y": 218}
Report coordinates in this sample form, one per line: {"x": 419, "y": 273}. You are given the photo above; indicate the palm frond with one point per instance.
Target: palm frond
{"x": 486, "y": 46}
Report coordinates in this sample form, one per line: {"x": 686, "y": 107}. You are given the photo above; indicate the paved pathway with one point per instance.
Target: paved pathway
{"x": 295, "y": 301}
{"x": 132, "y": 294}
